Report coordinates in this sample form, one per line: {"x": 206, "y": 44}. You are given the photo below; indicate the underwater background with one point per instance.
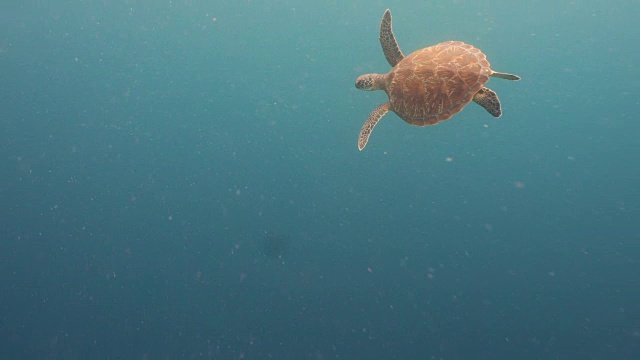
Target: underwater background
{"x": 180, "y": 179}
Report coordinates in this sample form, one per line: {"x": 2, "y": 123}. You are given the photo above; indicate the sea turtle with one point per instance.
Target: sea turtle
{"x": 431, "y": 84}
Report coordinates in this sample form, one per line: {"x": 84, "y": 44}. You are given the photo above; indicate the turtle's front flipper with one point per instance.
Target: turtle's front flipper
{"x": 505, "y": 76}
{"x": 488, "y": 99}
{"x": 388, "y": 41}
{"x": 371, "y": 122}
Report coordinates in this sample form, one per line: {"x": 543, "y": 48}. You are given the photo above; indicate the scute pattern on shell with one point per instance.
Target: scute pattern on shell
{"x": 432, "y": 84}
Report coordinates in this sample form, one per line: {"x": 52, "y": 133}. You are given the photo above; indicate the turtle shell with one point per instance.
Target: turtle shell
{"x": 432, "y": 84}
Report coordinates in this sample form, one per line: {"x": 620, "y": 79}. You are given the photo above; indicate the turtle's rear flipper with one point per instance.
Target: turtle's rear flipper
{"x": 505, "y": 76}
{"x": 488, "y": 99}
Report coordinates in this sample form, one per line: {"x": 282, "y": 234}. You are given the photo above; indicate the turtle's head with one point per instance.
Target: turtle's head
{"x": 370, "y": 82}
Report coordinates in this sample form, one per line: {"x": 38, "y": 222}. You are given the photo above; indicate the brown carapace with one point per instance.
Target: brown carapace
{"x": 431, "y": 84}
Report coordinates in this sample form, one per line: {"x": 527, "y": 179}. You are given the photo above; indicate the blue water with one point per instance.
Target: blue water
{"x": 181, "y": 180}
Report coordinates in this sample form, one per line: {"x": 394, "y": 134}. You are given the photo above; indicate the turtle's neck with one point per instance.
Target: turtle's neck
{"x": 379, "y": 81}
